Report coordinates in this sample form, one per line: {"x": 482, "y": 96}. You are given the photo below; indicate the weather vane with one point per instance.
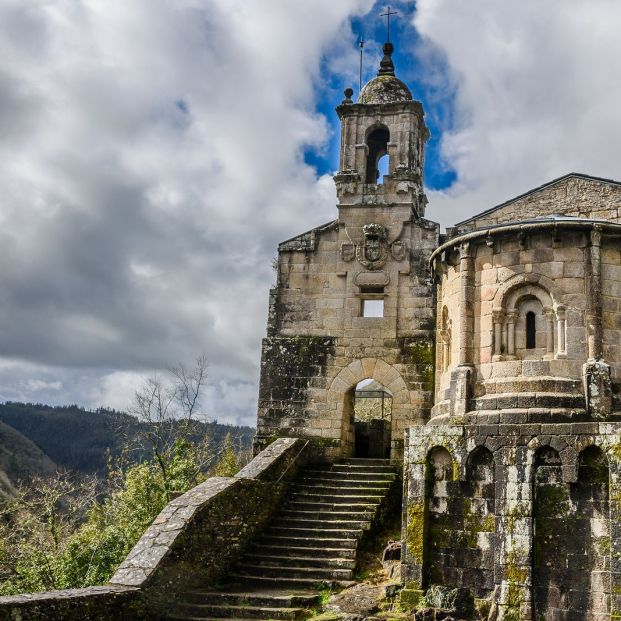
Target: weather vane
{"x": 387, "y": 16}
{"x": 361, "y": 44}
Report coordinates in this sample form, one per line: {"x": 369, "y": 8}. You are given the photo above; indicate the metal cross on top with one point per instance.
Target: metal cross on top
{"x": 387, "y": 16}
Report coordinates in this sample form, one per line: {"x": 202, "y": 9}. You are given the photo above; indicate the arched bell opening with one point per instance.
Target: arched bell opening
{"x": 372, "y": 419}
{"x": 377, "y": 143}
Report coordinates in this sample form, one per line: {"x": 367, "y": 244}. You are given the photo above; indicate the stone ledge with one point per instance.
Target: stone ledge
{"x": 98, "y": 603}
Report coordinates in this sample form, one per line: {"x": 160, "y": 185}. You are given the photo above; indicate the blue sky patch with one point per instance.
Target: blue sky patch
{"x": 437, "y": 93}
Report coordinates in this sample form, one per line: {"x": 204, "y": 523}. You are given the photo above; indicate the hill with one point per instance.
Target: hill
{"x": 20, "y": 459}
{"x": 80, "y": 439}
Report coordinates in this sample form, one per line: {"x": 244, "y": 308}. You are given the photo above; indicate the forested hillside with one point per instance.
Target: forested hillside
{"x": 20, "y": 459}
{"x": 79, "y": 439}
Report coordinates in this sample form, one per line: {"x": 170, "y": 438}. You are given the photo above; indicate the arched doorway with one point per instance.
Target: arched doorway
{"x": 340, "y": 398}
{"x": 372, "y": 410}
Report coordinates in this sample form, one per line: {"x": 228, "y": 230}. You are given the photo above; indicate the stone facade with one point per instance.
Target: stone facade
{"x": 500, "y": 343}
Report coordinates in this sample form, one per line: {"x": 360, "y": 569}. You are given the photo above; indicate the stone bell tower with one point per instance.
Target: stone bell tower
{"x": 354, "y": 299}
{"x": 384, "y": 122}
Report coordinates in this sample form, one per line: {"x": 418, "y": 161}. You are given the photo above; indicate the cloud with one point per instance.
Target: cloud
{"x": 152, "y": 160}
{"x": 536, "y": 94}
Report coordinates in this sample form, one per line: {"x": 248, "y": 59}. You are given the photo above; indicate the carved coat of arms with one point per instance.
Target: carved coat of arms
{"x": 373, "y": 252}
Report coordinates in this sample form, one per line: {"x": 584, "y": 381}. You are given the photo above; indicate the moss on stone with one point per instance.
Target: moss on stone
{"x": 420, "y": 354}
{"x": 416, "y": 531}
{"x": 516, "y": 579}
{"x": 411, "y": 599}
{"x": 552, "y": 500}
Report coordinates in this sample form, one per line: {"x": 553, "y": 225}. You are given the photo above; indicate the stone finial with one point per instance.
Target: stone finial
{"x": 348, "y": 93}
{"x": 387, "y": 67}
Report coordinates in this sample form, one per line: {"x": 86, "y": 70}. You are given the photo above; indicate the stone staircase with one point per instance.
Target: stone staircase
{"x": 311, "y": 543}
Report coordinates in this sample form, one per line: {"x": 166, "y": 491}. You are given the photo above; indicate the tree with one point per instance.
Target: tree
{"x": 169, "y": 407}
{"x": 228, "y": 463}
{"x": 34, "y": 526}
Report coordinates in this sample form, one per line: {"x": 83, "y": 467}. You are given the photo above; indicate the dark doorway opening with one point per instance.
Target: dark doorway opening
{"x": 372, "y": 420}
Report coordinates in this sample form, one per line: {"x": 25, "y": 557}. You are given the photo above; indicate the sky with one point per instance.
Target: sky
{"x": 153, "y": 153}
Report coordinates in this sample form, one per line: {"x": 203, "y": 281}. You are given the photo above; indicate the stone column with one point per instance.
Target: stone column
{"x": 461, "y": 377}
{"x": 594, "y": 295}
{"x": 466, "y": 303}
{"x": 497, "y": 317}
{"x": 361, "y": 151}
{"x": 548, "y": 313}
{"x": 560, "y": 326}
{"x": 511, "y": 319}
{"x": 446, "y": 344}
{"x": 596, "y": 372}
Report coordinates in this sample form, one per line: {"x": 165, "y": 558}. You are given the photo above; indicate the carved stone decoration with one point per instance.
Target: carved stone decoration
{"x": 373, "y": 253}
{"x": 399, "y": 250}
{"x": 348, "y": 251}
{"x": 372, "y": 279}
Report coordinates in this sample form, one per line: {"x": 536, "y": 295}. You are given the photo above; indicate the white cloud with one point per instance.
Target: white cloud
{"x": 537, "y": 94}
{"x": 151, "y": 161}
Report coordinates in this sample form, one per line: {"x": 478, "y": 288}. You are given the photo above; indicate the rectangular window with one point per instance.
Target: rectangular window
{"x": 372, "y": 308}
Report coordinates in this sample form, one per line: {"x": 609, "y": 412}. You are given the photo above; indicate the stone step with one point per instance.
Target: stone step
{"x": 384, "y": 477}
{"x": 299, "y": 561}
{"x": 262, "y": 599}
{"x": 229, "y": 611}
{"x": 364, "y": 461}
{"x": 318, "y": 534}
{"x": 307, "y": 542}
{"x": 317, "y": 505}
{"x": 529, "y": 400}
{"x": 321, "y": 552}
{"x": 288, "y": 583}
{"x": 338, "y": 498}
{"x": 285, "y": 522}
{"x": 343, "y": 490}
{"x": 280, "y": 571}
{"x": 298, "y": 514}
{"x": 366, "y": 470}
{"x": 345, "y": 482}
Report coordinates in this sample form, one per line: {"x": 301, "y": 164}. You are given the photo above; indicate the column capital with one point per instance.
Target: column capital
{"x": 560, "y": 311}
{"x": 498, "y": 315}
{"x": 596, "y": 235}
{"x": 548, "y": 312}
{"x": 465, "y": 250}
{"x": 512, "y": 316}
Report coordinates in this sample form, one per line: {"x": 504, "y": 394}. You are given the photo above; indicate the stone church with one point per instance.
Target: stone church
{"x": 484, "y": 364}
{"x": 498, "y": 345}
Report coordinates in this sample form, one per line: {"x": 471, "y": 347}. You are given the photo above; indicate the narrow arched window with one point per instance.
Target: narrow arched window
{"x": 531, "y": 330}
{"x": 377, "y": 142}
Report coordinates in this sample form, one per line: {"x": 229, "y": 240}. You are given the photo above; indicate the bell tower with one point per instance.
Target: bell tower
{"x": 354, "y": 302}
{"x": 384, "y": 122}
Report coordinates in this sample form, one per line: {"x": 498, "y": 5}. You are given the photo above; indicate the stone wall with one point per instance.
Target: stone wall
{"x": 91, "y": 604}
{"x": 194, "y": 541}
{"x": 567, "y": 274}
{"x": 573, "y": 194}
{"x": 318, "y": 337}
{"x": 539, "y": 543}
